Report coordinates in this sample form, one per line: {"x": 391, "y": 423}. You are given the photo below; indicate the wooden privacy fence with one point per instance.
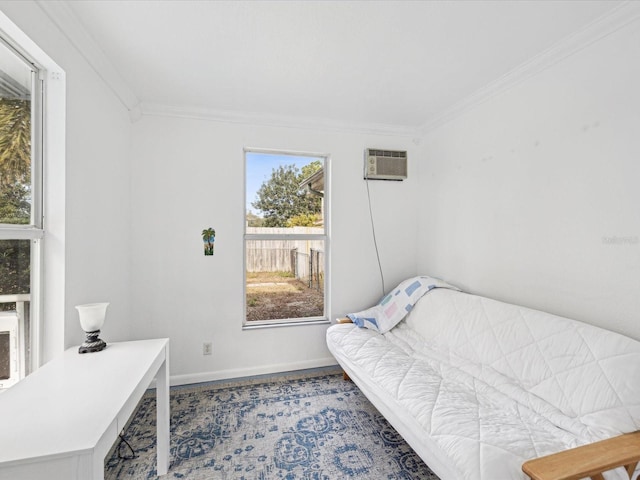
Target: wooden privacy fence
{"x": 267, "y": 258}
{"x": 304, "y": 259}
{"x": 309, "y": 267}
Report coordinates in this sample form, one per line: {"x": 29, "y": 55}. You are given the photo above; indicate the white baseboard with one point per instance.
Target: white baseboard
{"x": 238, "y": 373}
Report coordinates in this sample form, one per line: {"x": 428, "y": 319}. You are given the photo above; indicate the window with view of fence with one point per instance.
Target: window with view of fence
{"x": 285, "y": 239}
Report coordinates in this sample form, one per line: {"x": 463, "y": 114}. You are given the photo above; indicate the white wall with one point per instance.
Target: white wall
{"x": 188, "y": 175}
{"x": 97, "y": 192}
{"x": 533, "y": 196}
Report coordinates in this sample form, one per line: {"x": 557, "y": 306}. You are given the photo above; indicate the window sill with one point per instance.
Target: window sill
{"x": 257, "y": 324}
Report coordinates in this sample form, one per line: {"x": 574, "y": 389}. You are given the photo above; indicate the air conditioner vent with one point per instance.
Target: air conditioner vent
{"x": 385, "y": 164}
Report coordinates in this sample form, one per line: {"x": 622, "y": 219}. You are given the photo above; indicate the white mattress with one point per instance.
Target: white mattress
{"x": 494, "y": 385}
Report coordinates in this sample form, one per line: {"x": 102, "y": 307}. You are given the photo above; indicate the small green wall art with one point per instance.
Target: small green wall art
{"x": 209, "y": 238}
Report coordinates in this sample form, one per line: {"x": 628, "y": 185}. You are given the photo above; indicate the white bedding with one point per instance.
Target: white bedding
{"x": 477, "y": 386}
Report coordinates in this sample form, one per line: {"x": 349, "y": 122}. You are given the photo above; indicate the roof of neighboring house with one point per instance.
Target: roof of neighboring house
{"x": 314, "y": 182}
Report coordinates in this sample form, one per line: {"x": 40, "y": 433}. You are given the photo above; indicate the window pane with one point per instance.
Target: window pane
{"x": 15, "y": 288}
{"x": 285, "y": 279}
{"x": 15, "y": 138}
{"x": 15, "y": 270}
{"x": 284, "y": 191}
{"x": 5, "y": 356}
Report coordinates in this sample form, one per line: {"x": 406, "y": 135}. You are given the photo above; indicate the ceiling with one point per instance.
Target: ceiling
{"x": 400, "y": 64}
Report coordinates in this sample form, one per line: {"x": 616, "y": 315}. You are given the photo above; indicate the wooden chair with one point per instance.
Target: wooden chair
{"x": 588, "y": 461}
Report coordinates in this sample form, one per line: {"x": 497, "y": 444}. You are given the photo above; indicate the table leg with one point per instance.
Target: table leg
{"x": 162, "y": 410}
{"x": 98, "y": 468}
{"x": 85, "y": 466}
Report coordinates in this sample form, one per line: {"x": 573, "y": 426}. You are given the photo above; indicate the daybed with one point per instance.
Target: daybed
{"x": 477, "y": 386}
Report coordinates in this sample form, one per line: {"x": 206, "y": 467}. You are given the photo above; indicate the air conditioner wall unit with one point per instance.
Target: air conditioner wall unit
{"x": 385, "y": 164}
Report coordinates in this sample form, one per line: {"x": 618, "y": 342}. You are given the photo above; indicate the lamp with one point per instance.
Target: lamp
{"x": 92, "y": 317}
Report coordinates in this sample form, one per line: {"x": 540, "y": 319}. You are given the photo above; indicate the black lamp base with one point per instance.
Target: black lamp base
{"x": 92, "y": 343}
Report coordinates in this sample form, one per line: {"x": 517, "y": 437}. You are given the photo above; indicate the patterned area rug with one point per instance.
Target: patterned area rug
{"x": 297, "y": 427}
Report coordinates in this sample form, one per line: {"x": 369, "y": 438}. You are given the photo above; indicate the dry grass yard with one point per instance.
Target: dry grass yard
{"x": 277, "y": 295}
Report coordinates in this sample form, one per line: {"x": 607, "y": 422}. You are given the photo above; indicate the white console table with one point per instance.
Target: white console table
{"x": 61, "y": 421}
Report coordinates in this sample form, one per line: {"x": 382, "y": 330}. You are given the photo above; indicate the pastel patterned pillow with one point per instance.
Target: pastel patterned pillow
{"x": 397, "y": 304}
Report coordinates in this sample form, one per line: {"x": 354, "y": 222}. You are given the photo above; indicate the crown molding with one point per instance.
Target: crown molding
{"x": 610, "y": 22}
{"x": 67, "y": 22}
{"x": 253, "y": 118}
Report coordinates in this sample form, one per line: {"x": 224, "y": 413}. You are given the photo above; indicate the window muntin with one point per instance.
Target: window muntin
{"x": 285, "y": 238}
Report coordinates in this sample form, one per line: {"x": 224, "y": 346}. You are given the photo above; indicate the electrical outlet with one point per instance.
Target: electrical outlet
{"x": 207, "y": 348}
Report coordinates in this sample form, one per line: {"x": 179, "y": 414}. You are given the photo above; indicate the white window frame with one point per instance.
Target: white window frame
{"x": 48, "y": 200}
{"x": 286, "y": 322}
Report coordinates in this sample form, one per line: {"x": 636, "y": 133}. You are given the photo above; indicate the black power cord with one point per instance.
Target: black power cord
{"x": 375, "y": 242}
{"x": 125, "y": 457}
